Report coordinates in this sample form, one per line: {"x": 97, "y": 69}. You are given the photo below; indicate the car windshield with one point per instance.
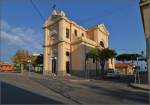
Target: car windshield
{"x": 110, "y": 71}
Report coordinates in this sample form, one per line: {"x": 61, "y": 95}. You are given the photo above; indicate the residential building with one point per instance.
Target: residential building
{"x": 66, "y": 44}
{"x": 145, "y": 12}
{"x": 6, "y": 67}
{"x": 125, "y": 68}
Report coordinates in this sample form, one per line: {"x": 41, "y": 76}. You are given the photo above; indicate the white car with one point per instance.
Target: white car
{"x": 111, "y": 73}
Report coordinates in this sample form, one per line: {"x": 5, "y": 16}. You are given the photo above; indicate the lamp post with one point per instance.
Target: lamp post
{"x": 29, "y": 66}
{"x": 138, "y": 67}
{"x": 135, "y": 75}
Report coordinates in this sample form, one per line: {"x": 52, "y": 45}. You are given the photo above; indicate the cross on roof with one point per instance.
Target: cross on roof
{"x": 54, "y": 6}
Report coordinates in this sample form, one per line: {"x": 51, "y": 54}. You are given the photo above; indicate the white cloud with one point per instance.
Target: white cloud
{"x": 25, "y": 38}
{"x": 11, "y": 38}
{"x": 4, "y": 25}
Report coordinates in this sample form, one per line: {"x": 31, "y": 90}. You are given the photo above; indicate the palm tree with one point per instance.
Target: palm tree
{"x": 93, "y": 53}
{"x": 102, "y": 56}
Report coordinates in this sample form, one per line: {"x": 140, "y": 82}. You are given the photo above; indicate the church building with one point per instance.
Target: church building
{"x": 66, "y": 44}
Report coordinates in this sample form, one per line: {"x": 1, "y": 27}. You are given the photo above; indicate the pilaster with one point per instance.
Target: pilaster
{"x": 46, "y": 69}
{"x": 61, "y": 58}
{"x": 61, "y": 36}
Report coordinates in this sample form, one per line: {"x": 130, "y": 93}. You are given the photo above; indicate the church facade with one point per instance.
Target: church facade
{"x": 66, "y": 44}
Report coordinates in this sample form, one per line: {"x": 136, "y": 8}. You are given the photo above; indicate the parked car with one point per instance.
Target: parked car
{"x": 112, "y": 73}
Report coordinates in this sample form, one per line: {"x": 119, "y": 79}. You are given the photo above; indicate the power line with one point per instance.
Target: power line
{"x": 102, "y": 16}
{"x": 37, "y": 10}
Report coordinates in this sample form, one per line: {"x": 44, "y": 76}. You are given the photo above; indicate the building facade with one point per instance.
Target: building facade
{"x": 66, "y": 44}
{"x": 125, "y": 68}
{"x": 6, "y": 67}
{"x": 145, "y": 12}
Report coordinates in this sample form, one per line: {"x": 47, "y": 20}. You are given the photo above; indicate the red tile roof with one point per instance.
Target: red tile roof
{"x": 6, "y": 67}
{"x": 123, "y": 65}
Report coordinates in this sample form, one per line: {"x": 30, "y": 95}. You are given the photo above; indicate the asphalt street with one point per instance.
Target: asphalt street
{"x": 36, "y": 89}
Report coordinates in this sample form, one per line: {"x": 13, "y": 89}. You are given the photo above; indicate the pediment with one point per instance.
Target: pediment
{"x": 48, "y": 21}
{"x": 103, "y": 29}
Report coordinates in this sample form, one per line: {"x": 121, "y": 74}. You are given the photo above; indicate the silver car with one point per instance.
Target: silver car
{"x": 111, "y": 73}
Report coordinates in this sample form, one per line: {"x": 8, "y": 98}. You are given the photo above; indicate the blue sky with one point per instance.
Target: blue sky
{"x": 21, "y": 25}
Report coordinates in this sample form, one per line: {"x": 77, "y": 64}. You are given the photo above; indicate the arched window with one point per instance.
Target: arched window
{"x": 102, "y": 44}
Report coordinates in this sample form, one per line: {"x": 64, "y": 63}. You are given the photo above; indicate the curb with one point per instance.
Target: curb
{"x": 138, "y": 87}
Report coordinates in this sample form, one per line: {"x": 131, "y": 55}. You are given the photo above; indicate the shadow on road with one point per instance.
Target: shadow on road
{"x": 14, "y": 95}
{"x": 122, "y": 94}
{"x": 123, "y": 79}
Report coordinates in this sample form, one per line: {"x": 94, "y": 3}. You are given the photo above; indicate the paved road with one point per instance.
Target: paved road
{"x": 20, "y": 89}
{"x": 77, "y": 91}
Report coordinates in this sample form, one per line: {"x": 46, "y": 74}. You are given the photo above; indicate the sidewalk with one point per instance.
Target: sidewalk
{"x": 141, "y": 86}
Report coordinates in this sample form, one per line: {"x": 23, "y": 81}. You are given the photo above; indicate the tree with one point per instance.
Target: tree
{"x": 33, "y": 59}
{"x": 21, "y": 58}
{"x": 39, "y": 59}
{"x": 102, "y": 56}
{"x": 128, "y": 57}
{"x": 93, "y": 53}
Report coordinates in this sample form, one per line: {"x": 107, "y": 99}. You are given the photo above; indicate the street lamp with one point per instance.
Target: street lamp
{"x": 29, "y": 61}
{"x": 138, "y": 70}
{"x": 138, "y": 67}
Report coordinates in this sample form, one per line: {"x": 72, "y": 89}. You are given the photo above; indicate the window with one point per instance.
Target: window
{"x": 67, "y": 53}
{"x": 101, "y": 44}
{"x": 67, "y": 33}
{"x": 67, "y": 66}
{"x": 75, "y": 32}
{"x": 82, "y": 34}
